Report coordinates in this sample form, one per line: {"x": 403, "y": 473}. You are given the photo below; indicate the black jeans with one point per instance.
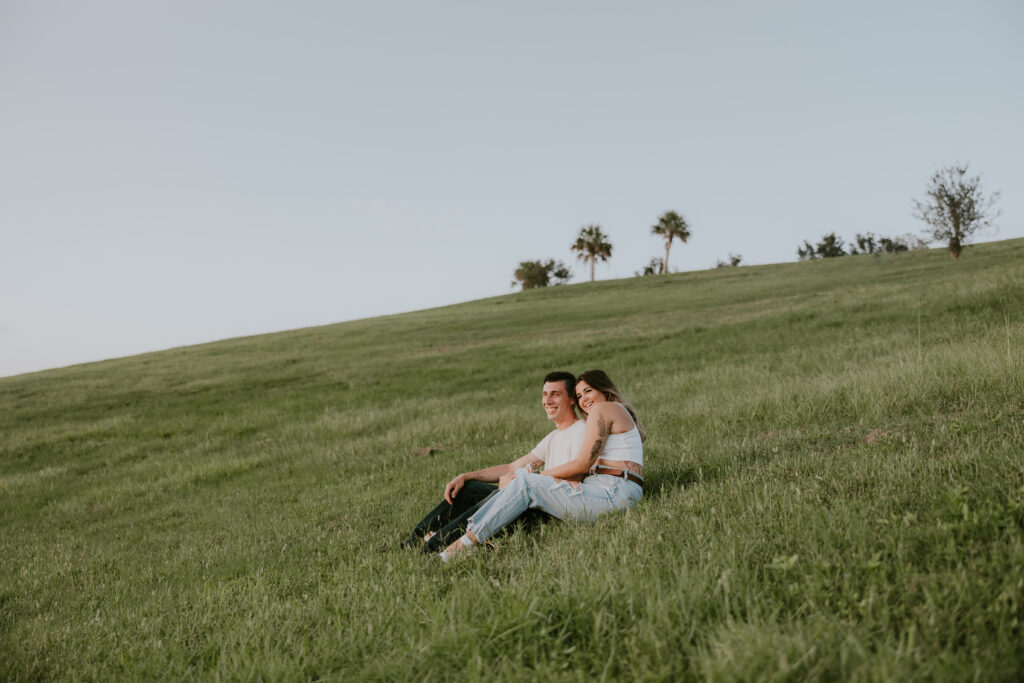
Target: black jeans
{"x": 450, "y": 520}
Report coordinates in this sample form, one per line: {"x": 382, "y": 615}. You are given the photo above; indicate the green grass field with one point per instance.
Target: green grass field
{"x": 835, "y": 489}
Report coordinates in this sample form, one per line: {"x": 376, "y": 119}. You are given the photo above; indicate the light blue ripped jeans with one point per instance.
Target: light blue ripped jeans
{"x": 598, "y": 494}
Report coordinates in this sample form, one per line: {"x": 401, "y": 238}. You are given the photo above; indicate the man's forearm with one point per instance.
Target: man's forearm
{"x": 498, "y": 471}
{"x": 491, "y": 474}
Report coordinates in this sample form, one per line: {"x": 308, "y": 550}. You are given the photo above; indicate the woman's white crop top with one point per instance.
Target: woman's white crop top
{"x": 626, "y": 446}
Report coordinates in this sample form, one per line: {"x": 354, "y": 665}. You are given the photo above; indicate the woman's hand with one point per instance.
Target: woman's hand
{"x": 506, "y": 479}
{"x": 453, "y": 487}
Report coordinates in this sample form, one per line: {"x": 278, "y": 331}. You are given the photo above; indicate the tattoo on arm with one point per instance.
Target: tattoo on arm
{"x": 602, "y": 435}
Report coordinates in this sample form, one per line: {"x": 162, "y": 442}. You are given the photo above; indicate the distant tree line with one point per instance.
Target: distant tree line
{"x": 833, "y": 246}
{"x": 954, "y": 207}
{"x": 593, "y": 245}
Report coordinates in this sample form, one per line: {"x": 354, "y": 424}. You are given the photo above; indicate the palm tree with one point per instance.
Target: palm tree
{"x": 592, "y": 244}
{"x": 671, "y": 226}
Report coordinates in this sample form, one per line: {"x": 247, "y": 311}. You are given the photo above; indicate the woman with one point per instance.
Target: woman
{"x": 607, "y": 474}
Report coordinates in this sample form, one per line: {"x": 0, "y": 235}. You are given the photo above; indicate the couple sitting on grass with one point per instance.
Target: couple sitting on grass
{"x": 590, "y": 468}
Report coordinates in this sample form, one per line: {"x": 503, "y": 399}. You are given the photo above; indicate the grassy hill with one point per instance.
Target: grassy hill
{"x": 835, "y": 489}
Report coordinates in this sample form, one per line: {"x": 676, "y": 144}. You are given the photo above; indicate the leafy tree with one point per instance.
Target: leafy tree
{"x": 806, "y": 252}
{"x": 652, "y": 268}
{"x": 830, "y": 246}
{"x": 671, "y": 226}
{"x": 561, "y": 273}
{"x": 866, "y": 244}
{"x": 734, "y": 260}
{"x": 955, "y": 207}
{"x": 592, "y": 244}
{"x": 892, "y": 245}
{"x": 531, "y": 275}
{"x": 534, "y": 274}
{"x": 869, "y": 244}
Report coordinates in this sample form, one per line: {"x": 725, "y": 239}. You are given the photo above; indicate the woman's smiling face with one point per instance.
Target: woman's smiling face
{"x": 588, "y": 396}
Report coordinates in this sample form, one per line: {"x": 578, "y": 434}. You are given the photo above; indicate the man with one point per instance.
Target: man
{"x": 466, "y": 492}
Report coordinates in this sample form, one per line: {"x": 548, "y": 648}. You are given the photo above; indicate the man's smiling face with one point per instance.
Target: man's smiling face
{"x": 557, "y": 401}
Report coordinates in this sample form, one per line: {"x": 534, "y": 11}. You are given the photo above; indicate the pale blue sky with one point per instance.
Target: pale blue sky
{"x": 180, "y": 172}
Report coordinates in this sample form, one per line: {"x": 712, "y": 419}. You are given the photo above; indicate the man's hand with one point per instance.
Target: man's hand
{"x": 453, "y": 487}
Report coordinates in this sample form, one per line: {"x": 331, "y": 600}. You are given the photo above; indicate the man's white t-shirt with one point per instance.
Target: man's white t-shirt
{"x": 561, "y": 445}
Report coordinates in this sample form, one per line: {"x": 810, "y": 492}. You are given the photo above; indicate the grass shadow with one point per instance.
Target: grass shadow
{"x": 671, "y": 480}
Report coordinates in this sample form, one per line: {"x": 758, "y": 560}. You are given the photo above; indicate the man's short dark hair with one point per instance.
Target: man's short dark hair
{"x": 568, "y": 378}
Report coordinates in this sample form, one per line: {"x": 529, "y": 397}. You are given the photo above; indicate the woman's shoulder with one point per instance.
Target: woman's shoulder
{"x": 612, "y": 410}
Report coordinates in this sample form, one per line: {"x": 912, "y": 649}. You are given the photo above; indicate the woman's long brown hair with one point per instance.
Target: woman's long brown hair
{"x": 599, "y": 380}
